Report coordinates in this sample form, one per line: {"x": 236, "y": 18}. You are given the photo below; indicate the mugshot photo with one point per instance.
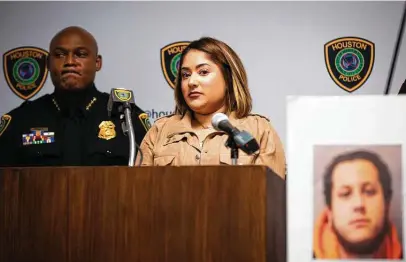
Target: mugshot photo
{"x": 358, "y": 202}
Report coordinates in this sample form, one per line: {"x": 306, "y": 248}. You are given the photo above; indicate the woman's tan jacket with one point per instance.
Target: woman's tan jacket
{"x": 172, "y": 141}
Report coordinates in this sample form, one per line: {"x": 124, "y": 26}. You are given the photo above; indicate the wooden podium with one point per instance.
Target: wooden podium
{"x": 146, "y": 214}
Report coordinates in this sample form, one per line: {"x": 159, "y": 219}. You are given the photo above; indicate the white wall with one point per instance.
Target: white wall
{"x": 280, "y": 43}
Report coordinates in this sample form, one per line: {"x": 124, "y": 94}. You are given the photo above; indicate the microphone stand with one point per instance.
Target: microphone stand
{"x": 128, "y": 128}
{"x": 233, "y": 149}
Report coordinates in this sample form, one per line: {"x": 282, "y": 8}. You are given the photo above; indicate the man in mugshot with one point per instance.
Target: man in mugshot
{"x": 355, "y": 222}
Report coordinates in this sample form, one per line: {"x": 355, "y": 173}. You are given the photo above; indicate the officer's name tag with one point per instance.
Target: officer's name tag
{"x": 38, "y": 137}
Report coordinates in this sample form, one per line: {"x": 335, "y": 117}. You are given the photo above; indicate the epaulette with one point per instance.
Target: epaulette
{"x": 5, "y": 119}
{"x": 262, "y": 116}
{"x": 105, "y": 94}
{"x": 26, "y": 102}
{"x": 18, "y": 108}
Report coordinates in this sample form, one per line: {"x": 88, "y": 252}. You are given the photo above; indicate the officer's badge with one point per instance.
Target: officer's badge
{"x": 4, "y": 122}
{"x": 144, "y": 118}
{"x": 349, "y": 61}
{"x": 107, "y": 130}
{"x": 170, "y": 58}
{"x": 25, "y": 70}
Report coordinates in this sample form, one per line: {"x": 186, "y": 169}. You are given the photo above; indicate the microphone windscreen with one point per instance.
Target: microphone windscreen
{"x": 216, "y": 119}
{"x": 122, "y": 95}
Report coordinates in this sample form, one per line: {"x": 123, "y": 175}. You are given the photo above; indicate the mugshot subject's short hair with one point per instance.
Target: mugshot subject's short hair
{"x": 384, "y": 175}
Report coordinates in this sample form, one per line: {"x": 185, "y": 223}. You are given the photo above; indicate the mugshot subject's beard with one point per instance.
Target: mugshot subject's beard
{"x": 362, "y": 248}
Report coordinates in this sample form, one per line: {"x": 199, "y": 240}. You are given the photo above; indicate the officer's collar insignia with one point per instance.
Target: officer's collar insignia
{"x": 56, "y": 104}
{"x": 4, "y": 122}
{"x": 107, "y": 130}
{"x": 91, "y": 103}
{"x": 38, "y": 136}
{"x": 144, "y": 118}
{"x": 88, "y": 106}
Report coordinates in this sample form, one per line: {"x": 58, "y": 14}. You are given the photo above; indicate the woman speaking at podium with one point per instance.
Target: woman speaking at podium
{"x": 211, "y": 79}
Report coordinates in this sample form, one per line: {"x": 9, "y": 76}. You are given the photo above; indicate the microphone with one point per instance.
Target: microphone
{"x": 122, "y": 100}
{"x": 242, "y": 139}
{"x": 220, "y": 122}
{"x": 119, "y": 99}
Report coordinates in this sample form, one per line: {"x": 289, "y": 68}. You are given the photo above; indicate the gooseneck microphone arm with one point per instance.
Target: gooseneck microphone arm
{"x": 395, "y": 54}
{"x": 122, "y": 102}
{"x": 128, "y": 128}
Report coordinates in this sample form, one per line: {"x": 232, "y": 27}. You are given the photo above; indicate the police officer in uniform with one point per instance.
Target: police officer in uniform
{"x": 71, "y": 126}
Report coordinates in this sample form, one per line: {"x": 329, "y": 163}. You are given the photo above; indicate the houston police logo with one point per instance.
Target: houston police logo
{"x": 170, "y": 57}
{"x": 25, "y": 70}
{"x": 144, "y": 118}
{"x": 349, "y": 61}
{"x": 123, "y": 95}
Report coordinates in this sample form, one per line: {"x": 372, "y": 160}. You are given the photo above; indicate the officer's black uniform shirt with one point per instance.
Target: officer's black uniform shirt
{"x": 76, "y": 131}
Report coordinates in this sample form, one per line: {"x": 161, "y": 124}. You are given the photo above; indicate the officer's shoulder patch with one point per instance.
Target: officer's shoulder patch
{"x": 144, "y": 118}
{"x": 261, "y": 116}
{"x": 4, "y": 123}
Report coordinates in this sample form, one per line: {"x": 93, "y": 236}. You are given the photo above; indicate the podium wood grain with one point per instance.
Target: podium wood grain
{"x": 33, "y": 215}
{"x": 94, "y": 214}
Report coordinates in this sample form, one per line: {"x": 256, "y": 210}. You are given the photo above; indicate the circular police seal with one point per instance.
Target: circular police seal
{"x": 26, "y": 71}
{"x": 175, "y": 64}
{"x": 349, "y": 62}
